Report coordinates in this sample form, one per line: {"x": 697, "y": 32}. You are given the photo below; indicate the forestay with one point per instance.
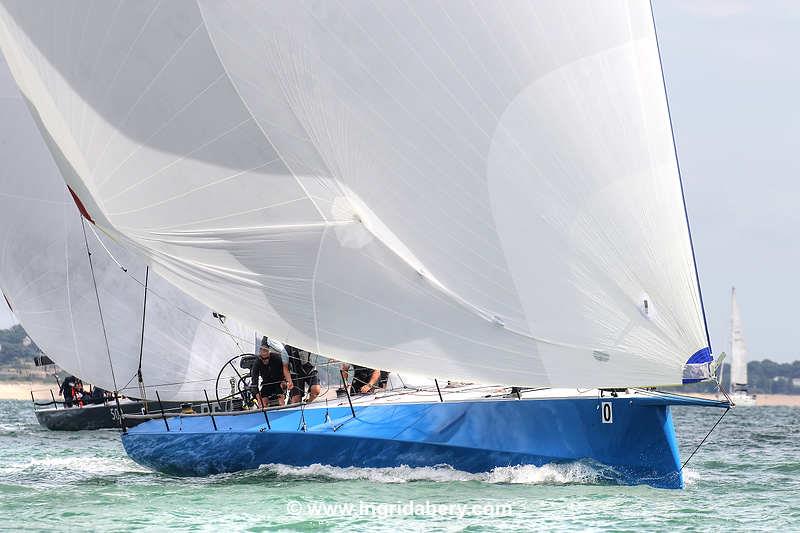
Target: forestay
{"x": 475, "y": 190}
{"x": 45, "y": 276}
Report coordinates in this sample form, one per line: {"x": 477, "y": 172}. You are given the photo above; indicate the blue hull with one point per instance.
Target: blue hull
{"x": 637, "y": 447}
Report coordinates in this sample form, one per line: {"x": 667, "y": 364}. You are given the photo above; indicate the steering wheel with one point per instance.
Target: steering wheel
{"x": 245, "y": 361}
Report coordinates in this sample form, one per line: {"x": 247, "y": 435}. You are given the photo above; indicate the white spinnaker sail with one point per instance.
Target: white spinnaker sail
{"x": 45, "y": 275}
{"x": 486, "y": 191}
{"x": 738, "y": 347}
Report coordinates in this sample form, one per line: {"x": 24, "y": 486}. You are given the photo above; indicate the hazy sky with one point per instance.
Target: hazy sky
{"x": 733, "y": 78}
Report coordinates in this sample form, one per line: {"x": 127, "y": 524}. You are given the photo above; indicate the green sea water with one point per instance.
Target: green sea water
{"x": 745, "y": 478}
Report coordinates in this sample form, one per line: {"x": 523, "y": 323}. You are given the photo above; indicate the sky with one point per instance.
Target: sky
{"x": 733, "y": 80}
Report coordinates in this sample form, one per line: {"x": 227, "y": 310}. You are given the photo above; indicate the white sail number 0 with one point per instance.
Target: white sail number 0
{"x": 606, "y": 413}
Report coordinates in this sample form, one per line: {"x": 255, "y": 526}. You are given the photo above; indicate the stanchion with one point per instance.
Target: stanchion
{"x": 210, "y": 411}
{"x": 161, "y": 408}
{"x": 347, "y": 391}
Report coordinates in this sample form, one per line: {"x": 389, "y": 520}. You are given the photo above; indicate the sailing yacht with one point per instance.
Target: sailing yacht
{"x": 738, "y": 385}
{"x": 81, "y": 296}
{"x": 486, "y": 193}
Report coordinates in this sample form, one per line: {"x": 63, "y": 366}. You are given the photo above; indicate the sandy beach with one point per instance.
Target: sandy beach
{"x": 789, "y": 400}
{"x": 792, "y": 400}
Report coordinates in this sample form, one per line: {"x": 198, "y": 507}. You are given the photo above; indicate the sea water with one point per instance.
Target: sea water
{"x": 746, "y": 477}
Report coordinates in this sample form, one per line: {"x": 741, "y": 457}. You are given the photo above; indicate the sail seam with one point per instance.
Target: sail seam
{"x": 122, "y": 65}
{"x": 250, "y": 112}
{"x": 314, "y": 287}
{"x": 196, "y": 189}
{"x": 130, "y": 111}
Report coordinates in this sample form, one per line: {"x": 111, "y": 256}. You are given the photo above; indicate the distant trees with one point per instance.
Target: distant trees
{"x": 765, "y": 377}
{"x": 769, "y": 377}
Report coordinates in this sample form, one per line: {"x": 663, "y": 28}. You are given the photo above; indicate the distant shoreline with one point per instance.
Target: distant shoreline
{"x": 786, "y": 400}
{"x": 21, "y": 390}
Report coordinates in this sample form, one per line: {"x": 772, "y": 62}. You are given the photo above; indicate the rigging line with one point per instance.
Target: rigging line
{"x": 99, "y": 307}
{"x": 704, "y": 438}
{"x": 126, "y": 386}
{"x": 680, "y": 177}
{"x": 718, "y": 382}
{"x": 232, "y": 336}
{"x": 124, "y": 269}
{"x": 206, "y": 380}
{"x": 141, "y": 343}
{"x": 167, "y": 301}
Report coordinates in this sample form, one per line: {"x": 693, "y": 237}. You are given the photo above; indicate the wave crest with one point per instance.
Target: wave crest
{"x": 550, "y": 474}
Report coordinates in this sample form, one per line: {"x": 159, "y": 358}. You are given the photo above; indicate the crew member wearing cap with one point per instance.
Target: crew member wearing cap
{"x": 272, "y": 367}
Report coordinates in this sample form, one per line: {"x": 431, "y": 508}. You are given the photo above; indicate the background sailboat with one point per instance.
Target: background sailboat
{"x": 46, "y": 278}
{"x": 738, "y": 384}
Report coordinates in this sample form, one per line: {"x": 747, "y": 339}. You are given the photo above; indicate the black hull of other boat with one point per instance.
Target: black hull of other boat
{"x": 100, "y": 416}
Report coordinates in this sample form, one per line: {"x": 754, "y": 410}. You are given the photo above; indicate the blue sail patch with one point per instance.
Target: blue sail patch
{"x": 698, "y": 366}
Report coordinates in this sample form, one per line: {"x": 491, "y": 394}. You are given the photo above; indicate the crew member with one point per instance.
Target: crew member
{"x": 304, "y": 374}
{"x": 69, "y": 390}
{"x": 98, "y": 395}
{"x": 364, "y": 379}
{"x": 272, "y": 368}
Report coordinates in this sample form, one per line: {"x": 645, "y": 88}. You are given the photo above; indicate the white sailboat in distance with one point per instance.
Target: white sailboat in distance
{"x": 738, "y": 386}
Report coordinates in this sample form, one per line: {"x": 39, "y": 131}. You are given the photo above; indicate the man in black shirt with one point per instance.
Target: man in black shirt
{"x": 304, "y": 373}
{"x": 69, "y": 390}
{"x": 98, "y": 396}
{"x": 364, "y": 379}
{"x": 272, "y": 367}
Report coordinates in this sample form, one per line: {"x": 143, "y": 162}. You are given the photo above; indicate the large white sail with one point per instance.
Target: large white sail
{"x": 474, "y": 190}
{"x": 46, "y": 278}
{"x": 738, "y": 348}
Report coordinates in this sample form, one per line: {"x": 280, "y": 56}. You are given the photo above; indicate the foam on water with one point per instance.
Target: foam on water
{"x": 552, "y": 474}
{"x": 690, "y": 476}
{"x": 67, "y": 469}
